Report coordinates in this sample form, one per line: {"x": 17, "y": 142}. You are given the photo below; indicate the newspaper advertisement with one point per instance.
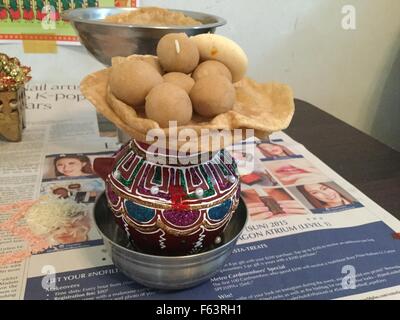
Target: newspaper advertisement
{"x": 310, "y": 234}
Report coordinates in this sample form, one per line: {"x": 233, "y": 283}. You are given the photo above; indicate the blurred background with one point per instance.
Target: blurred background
{"x": 352, "y": 74}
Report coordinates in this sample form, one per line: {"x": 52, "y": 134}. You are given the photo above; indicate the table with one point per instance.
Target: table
{"x": 368, "y": 164}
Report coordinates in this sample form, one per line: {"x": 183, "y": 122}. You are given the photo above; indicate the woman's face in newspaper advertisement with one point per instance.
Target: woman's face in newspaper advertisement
{"x": 70, "y": 167}
{"x": 272, "y": 149}
{"x": 323, "y": 193}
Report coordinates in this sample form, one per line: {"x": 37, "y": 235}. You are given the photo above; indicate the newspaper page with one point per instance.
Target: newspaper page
{"x": 310, "y": 233}
{"x": 56, "y": 115}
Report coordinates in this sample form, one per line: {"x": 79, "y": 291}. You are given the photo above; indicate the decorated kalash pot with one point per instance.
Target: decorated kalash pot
{"x": 176, "y": 207}
{"x": 166, "y": 207}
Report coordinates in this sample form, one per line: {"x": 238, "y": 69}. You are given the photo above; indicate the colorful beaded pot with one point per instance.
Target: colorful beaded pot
{"x": 170, "y": 208}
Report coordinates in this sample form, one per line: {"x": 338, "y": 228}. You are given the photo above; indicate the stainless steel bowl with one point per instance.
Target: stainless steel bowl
{"x": 163, "y": 272}
{"x": 105, "y": 40}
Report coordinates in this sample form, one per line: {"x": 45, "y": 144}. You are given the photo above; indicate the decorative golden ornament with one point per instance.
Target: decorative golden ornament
{"x": 13, "y": 77}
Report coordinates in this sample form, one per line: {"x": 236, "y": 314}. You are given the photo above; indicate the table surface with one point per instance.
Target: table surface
{"x": 368, "y": 164}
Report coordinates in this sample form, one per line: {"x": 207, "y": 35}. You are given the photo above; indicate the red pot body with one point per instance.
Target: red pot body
{"x": 170, "y": 208}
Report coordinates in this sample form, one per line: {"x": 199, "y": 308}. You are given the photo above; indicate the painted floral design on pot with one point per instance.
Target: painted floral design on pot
{"x": 173, "y": 208}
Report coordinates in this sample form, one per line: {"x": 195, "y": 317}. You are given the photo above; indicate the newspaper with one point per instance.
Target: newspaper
{"x": 310, "y": 233}
{"x": 58, "y": 118}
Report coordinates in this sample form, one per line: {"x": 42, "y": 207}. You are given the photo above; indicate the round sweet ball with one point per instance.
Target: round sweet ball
{"x": 176, "y": 52}
{"x": 168, "y": 102}
{"x": 131, "y": 81}
{"x": 212, "y": 95}
{"x": 180, "y": 79}
{"x": 209, "y": 68}
{"x": 152, "y": 60}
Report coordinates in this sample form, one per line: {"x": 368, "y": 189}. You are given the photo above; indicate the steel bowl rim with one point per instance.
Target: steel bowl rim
{"x": 219, "y": 21}
{"x": 167, "y": 258}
